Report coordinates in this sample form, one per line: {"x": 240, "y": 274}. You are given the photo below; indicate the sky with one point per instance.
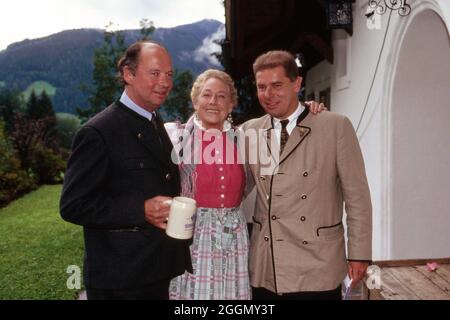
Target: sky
{"x": 30, "y": 19}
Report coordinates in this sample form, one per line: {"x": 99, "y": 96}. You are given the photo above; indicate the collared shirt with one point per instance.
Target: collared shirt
{"x": 125, "y": 99}
{"x": 198, "y": 123}
{"x": 292, "y": 122}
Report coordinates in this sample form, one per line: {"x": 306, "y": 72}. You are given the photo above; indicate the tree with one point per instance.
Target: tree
{"x": 46, "y": 109}
{"x": 106, "y": 87}
{"x": 39, "y": 107}
{"x": 45, "y": 105}
{"x": 32, "y": 110}
{"x": 42, "y": 108}
{"x": 11, "y": 102}
{"x": 178, "y": 104}
{"x": 67, "y": 125}
{"x": 13, "y": 180}
{"x": 147, "y": 28}
{"x": 27, "y": 135}
{"x": 38, "y": 151}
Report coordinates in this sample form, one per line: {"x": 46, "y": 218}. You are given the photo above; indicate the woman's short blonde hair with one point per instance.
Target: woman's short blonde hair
{"x": 217, "y": 74}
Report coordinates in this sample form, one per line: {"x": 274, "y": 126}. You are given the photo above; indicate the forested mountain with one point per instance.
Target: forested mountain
{"x": 64, "y": 59}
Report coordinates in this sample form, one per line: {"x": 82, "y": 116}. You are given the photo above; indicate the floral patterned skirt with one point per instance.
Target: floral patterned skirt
{"x": 219, "y": 258}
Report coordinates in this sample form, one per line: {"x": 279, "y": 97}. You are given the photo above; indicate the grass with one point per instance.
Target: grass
{"x": 38, "y": 87}
{"x": 36, "y": 248}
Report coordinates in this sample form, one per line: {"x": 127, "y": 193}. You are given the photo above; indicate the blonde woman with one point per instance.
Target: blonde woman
{"x": 220, "y": 244}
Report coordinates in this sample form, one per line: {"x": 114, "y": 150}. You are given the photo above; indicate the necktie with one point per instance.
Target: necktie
{"x": 284, "y": 134}
{"x": 156, "y": 125}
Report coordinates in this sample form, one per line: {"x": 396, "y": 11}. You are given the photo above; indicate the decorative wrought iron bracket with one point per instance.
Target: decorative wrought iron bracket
{"x": 381, "y": 6}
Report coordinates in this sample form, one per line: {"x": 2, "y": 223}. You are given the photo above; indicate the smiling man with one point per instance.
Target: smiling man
{"x": 297, "y": 246}
{"x": 118, "y": 175}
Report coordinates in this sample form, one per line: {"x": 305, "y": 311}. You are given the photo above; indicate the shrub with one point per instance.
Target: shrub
{"x": 28, "y": 135}
{"x": 14, "y": 181}
{"x": 47, "y": 165}
{"x": 67, "y": 125}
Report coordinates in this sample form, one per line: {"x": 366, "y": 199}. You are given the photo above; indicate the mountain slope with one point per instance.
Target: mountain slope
{"x": 65, "y": 59}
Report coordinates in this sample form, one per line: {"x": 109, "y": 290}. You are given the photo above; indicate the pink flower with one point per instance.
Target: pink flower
{"x": 432, "y": 266}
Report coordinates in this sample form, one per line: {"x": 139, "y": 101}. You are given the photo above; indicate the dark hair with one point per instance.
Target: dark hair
{"x": 130, "y": 58}
{"x": 276, "y": 58}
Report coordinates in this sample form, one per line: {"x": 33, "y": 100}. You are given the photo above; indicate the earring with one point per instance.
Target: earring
{"x": 230, "y": 118}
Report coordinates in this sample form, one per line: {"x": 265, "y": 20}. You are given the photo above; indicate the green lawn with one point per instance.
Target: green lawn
{"x": 36, "y": 247}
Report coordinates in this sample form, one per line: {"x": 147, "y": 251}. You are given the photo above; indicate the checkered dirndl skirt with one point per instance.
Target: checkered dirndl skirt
{"x": 219, "y": 258}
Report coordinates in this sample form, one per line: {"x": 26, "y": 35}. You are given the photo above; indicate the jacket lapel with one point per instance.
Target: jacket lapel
{"x": 165, "y": 140}
{"x": 149, "y": 139}
{"x": 144, "y": 132}
{"x": 267, "y": 154}
{"x": 296, "y": 137}
{"x": 268, "y": 134}
{"x": 146, "y": 135}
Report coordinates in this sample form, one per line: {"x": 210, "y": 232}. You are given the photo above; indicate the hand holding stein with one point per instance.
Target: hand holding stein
{"x": 180, "y": 224}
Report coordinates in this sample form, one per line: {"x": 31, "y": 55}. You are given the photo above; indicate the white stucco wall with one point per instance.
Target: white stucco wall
{"x": 421, "y": 142}
{"x": 318, "y": 79}
{"x": 350, "y": 87}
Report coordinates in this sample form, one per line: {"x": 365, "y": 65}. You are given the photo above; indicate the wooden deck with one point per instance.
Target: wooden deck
{"x": 410, "y": 280}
